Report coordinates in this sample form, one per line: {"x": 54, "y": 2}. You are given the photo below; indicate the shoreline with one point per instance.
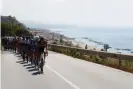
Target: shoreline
{"x": 89, "y": 47}
{"x": 82, "y": 44}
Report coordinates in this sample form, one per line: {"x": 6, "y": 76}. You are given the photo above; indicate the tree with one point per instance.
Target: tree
{"x": 106, "y": 47}
{"x": 12, "y": 27}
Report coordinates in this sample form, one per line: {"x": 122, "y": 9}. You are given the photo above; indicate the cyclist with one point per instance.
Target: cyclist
{"x": 42, "y": 44}
{"x": 35, "y": 51}
{"x": 29, "y": 42}
{"x": 23, "y": 45}
{"x": 19, "y": 44}
{"x": 14, "y": 43}
{"x": 31, "y": 50}
{"x": 27, "y": 48}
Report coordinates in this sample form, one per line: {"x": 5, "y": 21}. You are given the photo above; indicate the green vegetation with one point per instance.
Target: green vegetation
{"x": 11, "y": 27}
{"x": 126, "y": 65}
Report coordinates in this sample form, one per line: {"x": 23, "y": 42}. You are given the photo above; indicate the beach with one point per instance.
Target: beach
{"x": 119, "y": 40}
{"x": 82, "y": 45}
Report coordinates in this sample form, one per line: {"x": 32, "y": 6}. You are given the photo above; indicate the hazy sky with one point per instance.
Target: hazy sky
{"x": 105, "y": 13}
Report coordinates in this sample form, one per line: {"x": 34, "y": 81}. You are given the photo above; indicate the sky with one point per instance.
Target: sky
{"x": 97, "y": 13}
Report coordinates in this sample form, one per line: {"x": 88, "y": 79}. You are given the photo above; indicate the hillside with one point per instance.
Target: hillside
{"x": 9, "y": 19}
{"x": 10, "y": 26}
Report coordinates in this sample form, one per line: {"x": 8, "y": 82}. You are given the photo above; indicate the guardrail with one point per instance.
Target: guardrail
{"x": 120, "y": 61}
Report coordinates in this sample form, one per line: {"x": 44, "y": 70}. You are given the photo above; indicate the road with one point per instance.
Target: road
{"x": 61, "y": 72}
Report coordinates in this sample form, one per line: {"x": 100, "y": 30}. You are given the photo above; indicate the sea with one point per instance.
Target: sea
{"x": 119, "y": 40}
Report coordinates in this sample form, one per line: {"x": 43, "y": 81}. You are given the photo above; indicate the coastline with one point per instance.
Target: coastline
{"x": 94, "y": 48}
{"x": 82, "y": 44}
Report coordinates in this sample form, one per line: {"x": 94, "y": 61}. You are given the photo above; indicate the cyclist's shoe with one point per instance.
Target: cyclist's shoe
{"x": 41, "y": 72}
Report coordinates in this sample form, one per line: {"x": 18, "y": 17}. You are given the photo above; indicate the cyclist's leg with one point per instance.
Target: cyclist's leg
{"x": 15, "y": 47}
{"x": 41, "y": 67}
{"x": 27, "y": 54}
{"x": 36, "y": 59}
{"x": 30, "y": 56}
{"x": 10, "y": 46}
{"x": 41, "y": 62}
{"x": 23, "y": 54}
{"x": 44, "y": 57}
{"x": 18, "y": 49}
{"x": 21, "y": 51}
{"x": 7, "y": 45}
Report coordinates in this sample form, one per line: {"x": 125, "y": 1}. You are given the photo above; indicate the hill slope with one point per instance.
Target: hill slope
{"x": 10, "y": 26}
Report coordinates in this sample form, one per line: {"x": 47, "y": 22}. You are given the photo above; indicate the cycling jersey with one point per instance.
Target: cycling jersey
{"x": 41, "y": 46}
{"x": 33, "y": 44}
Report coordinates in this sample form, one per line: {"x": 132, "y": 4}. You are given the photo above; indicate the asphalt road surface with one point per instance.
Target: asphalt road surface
{"x": 61, "y": 72}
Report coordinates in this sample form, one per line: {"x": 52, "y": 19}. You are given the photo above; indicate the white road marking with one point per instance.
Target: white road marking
{"x": 69, "y": 82}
